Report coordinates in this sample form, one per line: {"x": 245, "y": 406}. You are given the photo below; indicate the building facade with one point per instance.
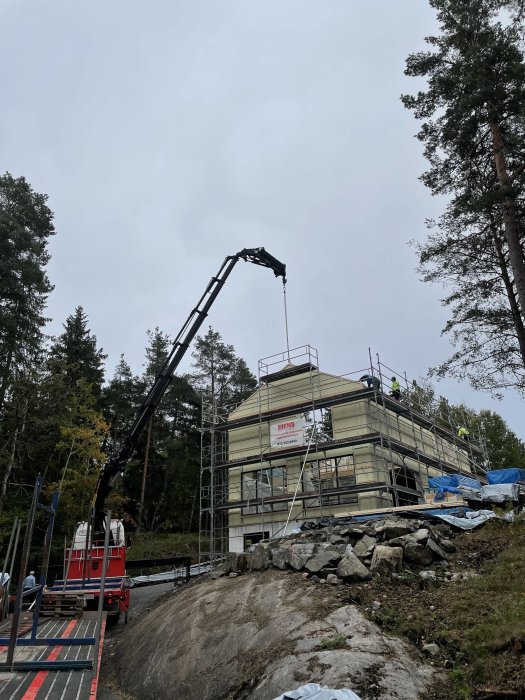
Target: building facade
{"x": 308, "y": 444}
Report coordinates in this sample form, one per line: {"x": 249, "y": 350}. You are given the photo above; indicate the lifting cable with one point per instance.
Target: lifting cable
{"x": 286, "y": 321}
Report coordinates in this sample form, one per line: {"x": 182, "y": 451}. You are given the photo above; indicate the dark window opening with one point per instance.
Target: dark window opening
{"x": 254, "y": 538}
{"x": 406, "y": 479}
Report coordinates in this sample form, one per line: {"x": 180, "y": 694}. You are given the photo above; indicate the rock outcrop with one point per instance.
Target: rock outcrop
{"x": 256, "y": 636}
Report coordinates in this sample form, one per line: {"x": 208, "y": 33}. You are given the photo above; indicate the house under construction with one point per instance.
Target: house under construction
{"x": 307, "y": 444}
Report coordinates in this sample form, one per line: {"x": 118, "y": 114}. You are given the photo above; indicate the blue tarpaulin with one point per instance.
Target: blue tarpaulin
{"x": 452, "y": 483}
{"x": 506, "y": 476}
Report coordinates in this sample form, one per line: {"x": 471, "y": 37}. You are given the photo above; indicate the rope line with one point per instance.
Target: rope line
{"x": 286, "y": 322}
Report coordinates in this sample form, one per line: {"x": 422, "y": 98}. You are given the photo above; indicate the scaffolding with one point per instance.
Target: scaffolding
{"x": 360, "y": 449}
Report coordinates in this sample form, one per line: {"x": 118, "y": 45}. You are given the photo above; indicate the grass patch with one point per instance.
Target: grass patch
{"x": 337, "y": 642}
{"x": 149, "y": 546}
{"x": 479, "y": 623}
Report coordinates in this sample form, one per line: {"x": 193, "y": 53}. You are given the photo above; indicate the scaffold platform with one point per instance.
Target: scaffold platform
{"x": 39, "y": 682}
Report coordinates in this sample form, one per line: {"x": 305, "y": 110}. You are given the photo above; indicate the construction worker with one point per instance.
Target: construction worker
{"x": 4, "y": 601}
{"x": 396, "y": 389}
{"x": 29, "y": 583}
{"x": 371, "y": 382}
{"x": 463, "y": 433}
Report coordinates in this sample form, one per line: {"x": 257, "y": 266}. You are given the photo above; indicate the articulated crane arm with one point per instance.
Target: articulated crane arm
{"x": 118, "y": 460}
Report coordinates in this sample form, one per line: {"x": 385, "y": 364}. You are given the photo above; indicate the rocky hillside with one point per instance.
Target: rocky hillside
{"x": 397, "y": 609}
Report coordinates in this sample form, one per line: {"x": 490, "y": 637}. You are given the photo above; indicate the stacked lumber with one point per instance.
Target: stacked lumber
{"x": 62, "y": 604}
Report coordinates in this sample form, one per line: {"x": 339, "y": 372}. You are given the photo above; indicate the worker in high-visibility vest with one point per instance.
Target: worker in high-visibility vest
{"x": 463, "y": 433}
{"x": 396, "y": 389}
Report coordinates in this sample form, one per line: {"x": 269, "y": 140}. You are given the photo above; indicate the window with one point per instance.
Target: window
{"x": 406, "y": 479}
{"x": 331, "y": 475}
{"x": 262, "y": 485}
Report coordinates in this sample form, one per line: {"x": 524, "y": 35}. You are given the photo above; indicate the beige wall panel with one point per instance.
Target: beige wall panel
{"x": 294, "y": 390}
{"x": 350, "y": 420}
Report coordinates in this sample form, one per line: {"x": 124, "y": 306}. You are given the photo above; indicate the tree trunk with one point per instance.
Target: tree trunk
{"x": 510, "y": 219}
{"x": 9, "y": 466}
{"x": 517, "y": 318}
{"x": 5, "y": 377}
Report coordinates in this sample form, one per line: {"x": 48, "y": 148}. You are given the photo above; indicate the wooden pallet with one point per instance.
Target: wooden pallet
{"x": 62, "y": 605}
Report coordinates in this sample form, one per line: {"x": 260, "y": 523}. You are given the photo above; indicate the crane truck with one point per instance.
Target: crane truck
{"x": 83, "y": 561}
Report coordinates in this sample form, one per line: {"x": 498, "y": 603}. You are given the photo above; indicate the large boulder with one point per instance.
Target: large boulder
{"x": 418, "y": 554}
{"x": 397, "y": 528}
{"x": 364, "y": 546}
{"x": 387, "y": 559}
{"x": 326, "y": 557}
{"x": 448, "y": 546}
{"x": 257, "y": 559}
{"x": 420, "y": 536}
{"x": 281, "y": 557}
{"x": 234, "y": 563}
{"x": 351, "y": 569}
{"x": 300, "y": 553}
{"x": 353, "y": 532}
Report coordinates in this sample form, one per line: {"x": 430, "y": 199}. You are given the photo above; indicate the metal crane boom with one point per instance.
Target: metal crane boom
{"x": 117, "y": 461}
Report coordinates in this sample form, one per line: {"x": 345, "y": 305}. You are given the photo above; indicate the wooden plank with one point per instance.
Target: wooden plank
{"x": 396, "y": 509}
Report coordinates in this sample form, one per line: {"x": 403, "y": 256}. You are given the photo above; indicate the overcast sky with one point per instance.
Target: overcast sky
{"x": 170, "y": 134}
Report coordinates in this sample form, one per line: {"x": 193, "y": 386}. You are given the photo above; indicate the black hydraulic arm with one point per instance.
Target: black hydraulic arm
{"x": 117, "y": 461}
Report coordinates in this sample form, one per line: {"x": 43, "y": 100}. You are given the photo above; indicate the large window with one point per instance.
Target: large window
{"x": 406, "y": 479}
{"x": 262, "y": 485}
{"x": 330, "y": 475}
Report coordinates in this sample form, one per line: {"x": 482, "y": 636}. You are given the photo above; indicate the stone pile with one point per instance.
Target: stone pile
{"x": 352, "y": 552}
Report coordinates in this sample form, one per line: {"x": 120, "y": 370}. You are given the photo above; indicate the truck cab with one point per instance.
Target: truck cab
{"x": 83, "y": 564}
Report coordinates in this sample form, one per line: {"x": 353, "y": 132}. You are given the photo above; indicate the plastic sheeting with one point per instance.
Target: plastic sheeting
{"x": 499, "y": 493}
{"x": 453, "y": 483}
{"x": 506, "y": 476}
{"x": 472, "y": 519}
{"x": 313, "y": 691}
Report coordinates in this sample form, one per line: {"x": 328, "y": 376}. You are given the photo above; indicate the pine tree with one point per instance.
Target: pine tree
{"x": 474, "y": 128}
{"x": 219, "y": 372}
{"x": 120, "y": 401}
{"x": 76, "y": 349}
{"x": 26, "y": 223}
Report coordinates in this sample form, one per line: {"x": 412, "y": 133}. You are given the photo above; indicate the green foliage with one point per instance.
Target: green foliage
{"x": 332, "y": 643}
{"x": 460, "y": 686}
{"x": 504, "y": 447}
{"x": 146, "y": 545}
{"x": 219, "y": 373}
{"x": 121, "y": 399}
